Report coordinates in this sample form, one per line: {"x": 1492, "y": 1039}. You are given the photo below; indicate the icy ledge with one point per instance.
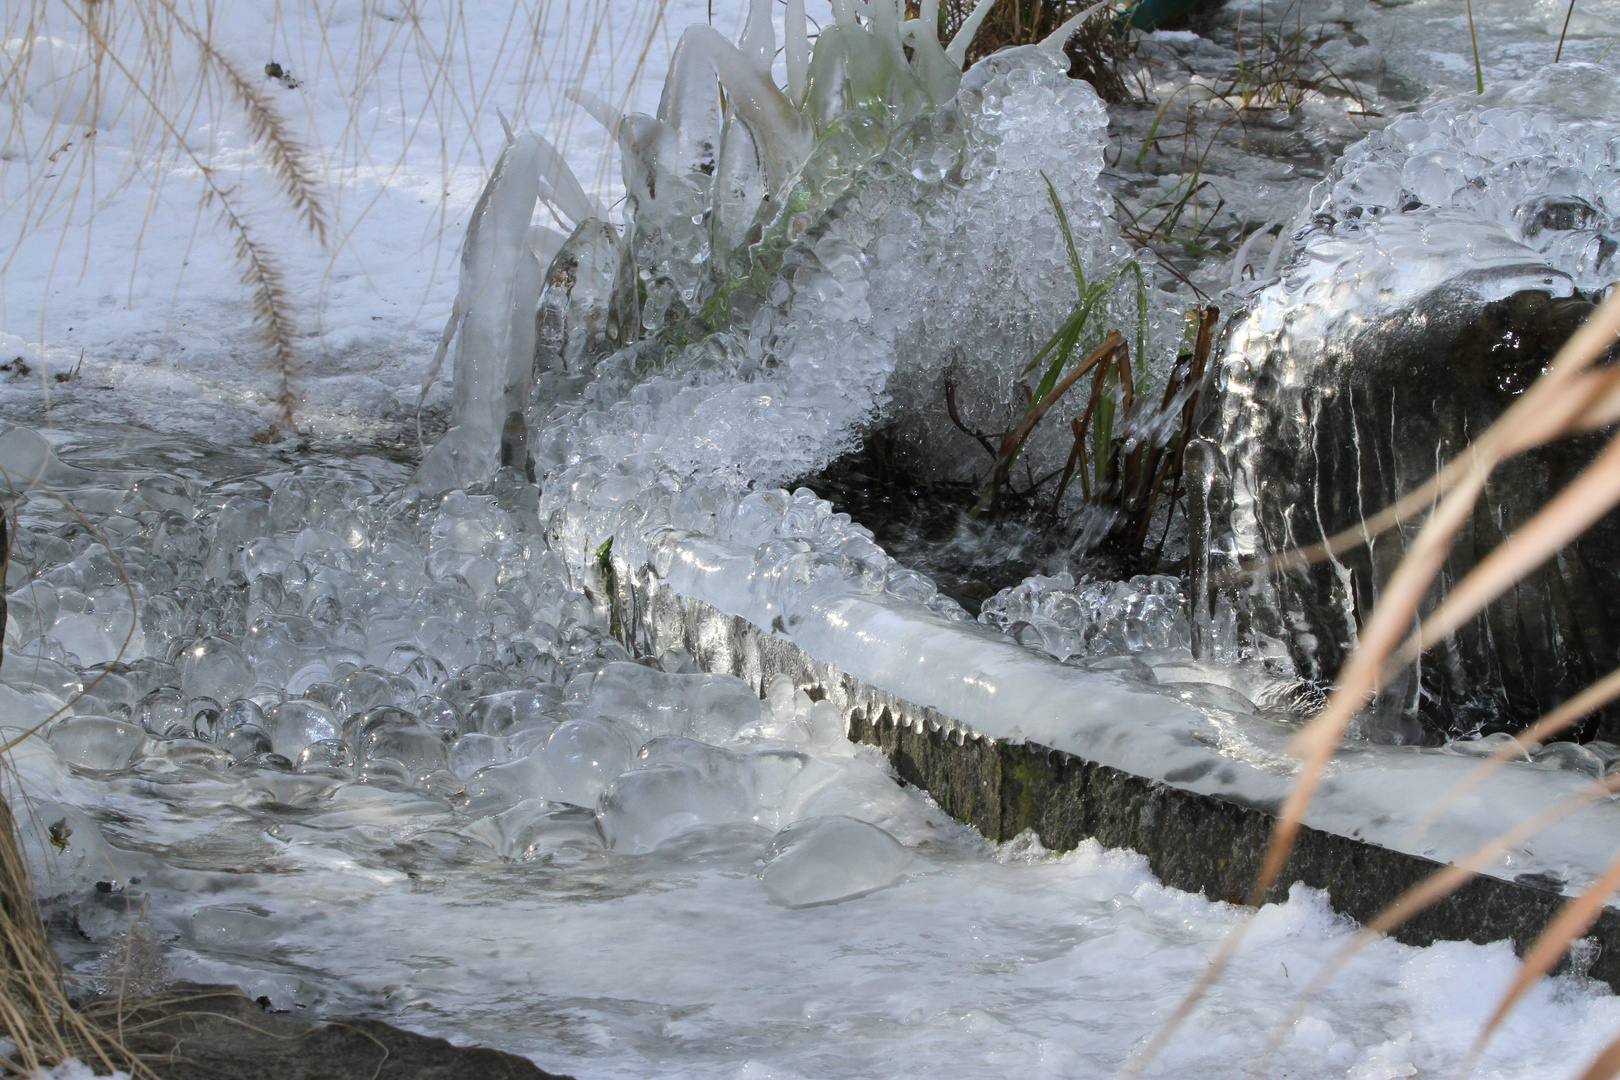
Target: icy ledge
{"x": 982, "y": 684}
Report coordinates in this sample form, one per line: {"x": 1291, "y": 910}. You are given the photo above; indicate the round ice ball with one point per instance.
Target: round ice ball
{"x": 96, "y": 742}
{"x": 827, "y": 859}
{"x": 642, "y": 809}
{"x": 215, "y": 668}
{"x": 583, "y": 755}
{"x": 297, "y": 723}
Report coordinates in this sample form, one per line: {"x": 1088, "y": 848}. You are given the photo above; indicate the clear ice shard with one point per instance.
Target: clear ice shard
{"x": 824, "y": 860}
{"x": 495, "y": 341}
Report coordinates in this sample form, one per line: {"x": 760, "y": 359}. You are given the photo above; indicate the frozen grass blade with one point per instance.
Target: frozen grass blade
{"x": 957, "y": 49}
{"x": 1473, "y": 38}
{"x": 1055, "y": 41}
{"x": 1568, "y": 12}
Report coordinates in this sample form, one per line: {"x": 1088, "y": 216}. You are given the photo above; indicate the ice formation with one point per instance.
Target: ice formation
{"x": 1402, "y": 249}
{"x": 310, "y": 636}
{"x": 1099, "y": 618}
{"x": 777, "y": 282}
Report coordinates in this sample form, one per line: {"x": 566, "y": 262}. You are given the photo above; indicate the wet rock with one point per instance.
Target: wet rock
{"x": 1387, "y": 404}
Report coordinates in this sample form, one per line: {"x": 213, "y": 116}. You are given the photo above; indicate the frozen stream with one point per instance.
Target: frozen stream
{"x": 447, "y": 901}
{"x": 362, "y": 746}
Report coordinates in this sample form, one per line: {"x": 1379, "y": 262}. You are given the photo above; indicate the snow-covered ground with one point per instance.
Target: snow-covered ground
{"x": 110, "y": 252}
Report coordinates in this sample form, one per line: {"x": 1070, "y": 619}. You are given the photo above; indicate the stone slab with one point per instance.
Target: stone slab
{"x": 1196, "y": 842}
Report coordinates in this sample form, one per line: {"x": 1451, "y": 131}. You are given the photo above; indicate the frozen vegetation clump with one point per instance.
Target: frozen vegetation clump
{"x": 794, "y": 264}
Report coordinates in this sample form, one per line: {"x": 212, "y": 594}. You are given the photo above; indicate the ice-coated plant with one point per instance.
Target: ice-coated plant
{"x": 730, "y": 173}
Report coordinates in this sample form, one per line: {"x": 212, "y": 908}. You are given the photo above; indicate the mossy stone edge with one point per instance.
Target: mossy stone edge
{"x": 1199, "y": 843}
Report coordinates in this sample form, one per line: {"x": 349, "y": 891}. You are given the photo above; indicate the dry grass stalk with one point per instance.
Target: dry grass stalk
{"x": 35, "y": 1011}
{"x": 125, "y": 66}
{"x": 273, "y": 315}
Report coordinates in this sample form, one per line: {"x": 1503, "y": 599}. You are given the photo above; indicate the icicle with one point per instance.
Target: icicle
{"x": 566, "y": 190}
{"x": 572, "y": 316}
{"x": 783, "y": 136}
{"x": 933, "y": 68}
{"x": 599, "y": 110}
{"x": 902, "y": 90}
{"x": 739, "y": 188}
{"x": 957, "y": 49}
{"x": 928, "y": 16}
{"x": 1241, "y": 259}
{"x": 796, "y": 44}
{"x": 546, "y": 242}
{"x": 1277, "y": 249}
{"x": 844, "y": 12}
{"x": 690, "y": 105}
{"x": 500, "y": 277}
{"x": 1057, "y": 39}
{"x": 758, "y": 45}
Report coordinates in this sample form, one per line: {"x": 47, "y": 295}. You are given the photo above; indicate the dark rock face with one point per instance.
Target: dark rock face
{"x": 216, "y": 1033}
{"x": 1305, "y": 443}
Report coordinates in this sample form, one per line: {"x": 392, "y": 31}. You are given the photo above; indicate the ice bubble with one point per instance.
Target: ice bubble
{"x": 474, "y": 751}
{"x": 435, "y": 711}
{"x": 386, "y": 771}
{"x": 241, "y": 711}
{"x": 364, "y": 690}
{"x": 760, "y": 780}
{"x": 509, "y": 710}
{"x": 856, "y": 788}
{"x": 214, "y": 667}
{"x": 508, "y": 783}
{"x": 359, "y": 725}
{"x": 163, "y": 712}
{"x": 1488, "y": 746}
{"x": 96, "y": 742}
{"x": 535, "y": 828}
{"x": 232, "y": 927}
{"x": 247, "y": 742}
{"x": 207, "y": 724}
{"x": 827, "y": 859}
{"x": 825, "y": 725}
{"x": 26, "y": 671}
{"x": 583, "y": 755}
{"x": 195, "y": 752}
{"x": 241, "y": 519}
{"x": 419, "y": 748}
{"x": 712, "y": 708}
{"x": 296, "y": 723}
{"x": 327, "y": 757}
{"x": 1571, "y": 756}
{"x": 642, "y": 809}
{"x": 87, "y": 637}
